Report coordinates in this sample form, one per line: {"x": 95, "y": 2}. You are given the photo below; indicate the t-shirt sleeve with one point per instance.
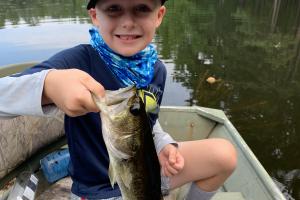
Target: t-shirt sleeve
{"x": 161, "y": 80}
{"x": 21, "y": 93}
{"x": 161, "y": 138}
{"x": 157, "y": 87}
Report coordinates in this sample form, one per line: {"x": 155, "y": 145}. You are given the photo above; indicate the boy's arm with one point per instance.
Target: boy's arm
{"x": 36, "y": 90}
{"x": 161, "y": 138}
{"x": 21, "y": 95}
{"x": 69, "y": 89}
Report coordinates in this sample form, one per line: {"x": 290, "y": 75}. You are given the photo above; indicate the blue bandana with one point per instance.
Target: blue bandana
{"x": 137, "y": 69}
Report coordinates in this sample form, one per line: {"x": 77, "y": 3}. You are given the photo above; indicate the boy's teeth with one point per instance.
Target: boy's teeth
{"x": 127, "y": 37}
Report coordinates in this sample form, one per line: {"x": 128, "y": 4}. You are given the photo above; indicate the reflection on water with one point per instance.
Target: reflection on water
{"x": 175, "y": 94}
{"x": 251, "y": 47}
{"x": 31, "y": 12}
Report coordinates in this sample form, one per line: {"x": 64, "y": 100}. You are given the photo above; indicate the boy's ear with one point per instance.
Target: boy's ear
{"x": 93, "y": 16}
{"x": 160, "y": 15}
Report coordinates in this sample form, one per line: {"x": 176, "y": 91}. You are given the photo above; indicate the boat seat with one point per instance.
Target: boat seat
{"x": 228, "y": 196}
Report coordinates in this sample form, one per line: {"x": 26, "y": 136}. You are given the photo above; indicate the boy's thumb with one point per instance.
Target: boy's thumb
{"x": 172, "y": 156}
{"x": 94, "y": 87}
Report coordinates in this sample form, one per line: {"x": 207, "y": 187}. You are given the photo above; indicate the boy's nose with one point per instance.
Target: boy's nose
{"x": 128, "y": 21}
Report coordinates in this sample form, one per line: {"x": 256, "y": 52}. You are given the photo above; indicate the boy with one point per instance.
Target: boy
{"x": 120, "y": 54}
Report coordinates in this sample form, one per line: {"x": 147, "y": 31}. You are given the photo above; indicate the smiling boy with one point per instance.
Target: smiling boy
{"x": 127, "y": 27}
{"x": 120, "y": 54}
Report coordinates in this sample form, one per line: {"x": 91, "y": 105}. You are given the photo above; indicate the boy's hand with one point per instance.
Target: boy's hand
{"x": 171, "y": 160}
{"x": 70, "y": 90}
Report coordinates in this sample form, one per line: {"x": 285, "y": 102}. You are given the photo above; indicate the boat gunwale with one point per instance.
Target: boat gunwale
{"x": 254, "y": 162}
{"x": 6, "y": 70}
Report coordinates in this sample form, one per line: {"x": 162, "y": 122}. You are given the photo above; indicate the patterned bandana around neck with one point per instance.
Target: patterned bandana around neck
{"x": 137, "y": 69}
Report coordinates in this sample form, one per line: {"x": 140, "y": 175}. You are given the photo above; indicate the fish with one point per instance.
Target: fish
{"x": 127, "y": 134}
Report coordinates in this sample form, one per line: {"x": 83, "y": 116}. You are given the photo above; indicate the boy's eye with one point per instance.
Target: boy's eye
{"x": 143, "y": 9}
{"x": 113, "y": 10}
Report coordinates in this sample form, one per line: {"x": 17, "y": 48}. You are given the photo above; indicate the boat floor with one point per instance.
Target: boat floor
{"x": 61, "y": 191}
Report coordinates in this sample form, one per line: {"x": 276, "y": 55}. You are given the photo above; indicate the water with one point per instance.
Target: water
{"x": 252, "y": 48}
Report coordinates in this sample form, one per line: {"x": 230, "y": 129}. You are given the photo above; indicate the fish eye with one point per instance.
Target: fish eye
{"x": 135, "y": 109}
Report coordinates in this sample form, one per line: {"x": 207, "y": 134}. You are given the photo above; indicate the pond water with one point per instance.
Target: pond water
{"x": 251, "y": 48}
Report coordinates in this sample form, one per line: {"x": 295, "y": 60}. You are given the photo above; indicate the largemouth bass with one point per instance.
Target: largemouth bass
{"x": 128, "y": 138}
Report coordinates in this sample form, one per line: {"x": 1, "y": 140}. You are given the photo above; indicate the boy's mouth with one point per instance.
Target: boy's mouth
{"x": 128, "y": 37}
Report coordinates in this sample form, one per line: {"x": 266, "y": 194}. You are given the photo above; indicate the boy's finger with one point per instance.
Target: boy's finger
{"x": 74, "y": 113}
{"x": 171, "y": 169}
{"x": 178, "y": 166}
{"x": 93, "y": 86}
{"x": 179, "y": 163}
{"x": 172, "y": 156}
{"x": 166, "y": 172}
{"x": 89, "y": 104}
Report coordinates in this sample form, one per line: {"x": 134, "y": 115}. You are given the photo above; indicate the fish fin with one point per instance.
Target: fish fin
{"x": 150, "y": 101}
{"x": 112, "y": 175}
{"x": 126, "y": 177}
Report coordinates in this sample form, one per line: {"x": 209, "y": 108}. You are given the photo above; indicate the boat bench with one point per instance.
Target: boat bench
{"x": 228, "y": 196}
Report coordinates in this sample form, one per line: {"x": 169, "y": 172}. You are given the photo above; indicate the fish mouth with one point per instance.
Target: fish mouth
{"x": 114, "y": 98}
{"x": 117, "y": 96}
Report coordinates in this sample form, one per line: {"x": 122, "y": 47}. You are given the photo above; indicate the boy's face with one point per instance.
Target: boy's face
{"x": 127, "y": 26}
